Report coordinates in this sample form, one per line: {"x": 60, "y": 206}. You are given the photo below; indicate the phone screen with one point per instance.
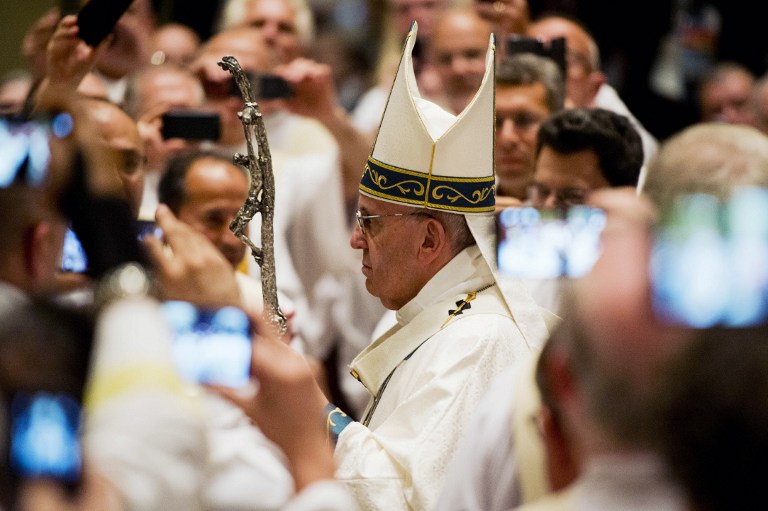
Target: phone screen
{"x": 148, "y": 228}
{"x": 44, "y": 436}
{"x": 73, "y": 258}
{"x": 25, "y": 151}
{"x": 210, "y": 345}
{"x": 709, "y": 263}
{"x": 548, "y": 243}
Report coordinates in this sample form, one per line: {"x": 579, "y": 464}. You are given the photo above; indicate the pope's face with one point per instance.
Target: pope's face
{"x": 390, "y": 248}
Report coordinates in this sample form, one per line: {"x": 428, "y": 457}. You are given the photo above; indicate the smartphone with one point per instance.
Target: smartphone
{"x": 709, "y": 262}
{"x": 73, "y": 258}
{"x": 25, "y": 151}
{"x": 98, "y": 18}
{"x": 266, "y": 86}
{"x": 191, "y": 125}
{"x": 148, "y": 228}
{"x": 211, "y": 346}
{"x": 554, "y": 50}
{"x": 44, "y": 440}
{"x": 548, "y": 243}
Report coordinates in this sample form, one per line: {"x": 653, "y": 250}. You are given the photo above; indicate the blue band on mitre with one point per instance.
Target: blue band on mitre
{"x": 335, "y": 421}
{"x": 463, "y": 195}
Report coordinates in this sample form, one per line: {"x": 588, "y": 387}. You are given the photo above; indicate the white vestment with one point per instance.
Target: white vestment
{"x": 440, "y": 366}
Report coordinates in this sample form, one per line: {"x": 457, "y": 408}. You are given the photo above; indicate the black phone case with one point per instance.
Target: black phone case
{"x": 98, "y": 18}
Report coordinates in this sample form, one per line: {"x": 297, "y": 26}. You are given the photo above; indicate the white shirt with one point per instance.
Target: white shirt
{"x": 629, "y": 482}
{"x": 400, "y": 461}
{"x": 142, "y": 431}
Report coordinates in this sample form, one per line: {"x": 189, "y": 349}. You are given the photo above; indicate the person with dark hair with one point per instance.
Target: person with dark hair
{"x": 586, "y": 84}
{"x": 581, "y": 150}
{"x": 205, "y": 190}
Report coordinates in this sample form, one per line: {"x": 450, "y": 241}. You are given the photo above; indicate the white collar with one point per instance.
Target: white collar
{"x": 465, "y": 273}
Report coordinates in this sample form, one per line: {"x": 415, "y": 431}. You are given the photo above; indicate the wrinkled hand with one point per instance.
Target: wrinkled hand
{"x": 509, "y": 16}
{"x": 313, "y": 85}
{"x": 190, "y": 268}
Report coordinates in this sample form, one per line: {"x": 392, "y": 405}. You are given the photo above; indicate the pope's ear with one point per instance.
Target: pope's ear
{"x": 434, "y": 239}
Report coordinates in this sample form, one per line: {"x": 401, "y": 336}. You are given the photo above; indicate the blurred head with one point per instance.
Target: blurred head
{"x": 725, "y": 95}
{"x": 611, "y": 348}
{"x": 107, "y": 129}
{"x": 206, "y": 190}
{"x": 31, "y": 225}
{"x": 713, "y": 419}
{"x": 583, "y": 76}
{"x": 286, "y": 25}
{"x": 174, "y": 43}
{"x": 581, "y": 150}
{"x": 528, "y": 90}
{"x": 14, "y": 87}
{"x": 154, "y": 91}
{"x": 130, "y": 47}
{"x": 458, "y": 48}
{"x": 711, "y": 158}
{"x": 424, "y": 12}
{"x": 44, "y": 347}
{"x": 760, "y": 104}
{"x": 247, "y": 45}
{"x": 33, "y": 236}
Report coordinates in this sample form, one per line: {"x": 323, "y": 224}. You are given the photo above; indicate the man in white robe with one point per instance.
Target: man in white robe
{"x": 425, "y": 228}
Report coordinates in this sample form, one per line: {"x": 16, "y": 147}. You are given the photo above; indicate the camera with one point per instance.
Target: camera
{"x": 191, "y": 125}
{"x": 554, "y": 50}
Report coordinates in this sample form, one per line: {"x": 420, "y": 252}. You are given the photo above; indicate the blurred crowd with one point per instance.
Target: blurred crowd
{"x": 118, "y": 188}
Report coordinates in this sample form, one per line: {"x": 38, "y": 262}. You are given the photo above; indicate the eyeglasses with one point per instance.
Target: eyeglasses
{"x": 364, "y": 221}
{"x": 538, "y": 194}
{"x": 522, "y": 121}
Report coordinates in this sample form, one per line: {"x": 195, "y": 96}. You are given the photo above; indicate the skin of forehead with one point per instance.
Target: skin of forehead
{"x": 244, "y": 43}
{"x": 575, "y": 37}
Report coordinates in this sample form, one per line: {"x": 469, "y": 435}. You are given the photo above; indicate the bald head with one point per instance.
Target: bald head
{"x": 711, "y": 158}
{"x": 111, "y": 138}
{"x": 247, "y": 45}
{"x": 583, "y": 79}
{"x": 459, "y": 44}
